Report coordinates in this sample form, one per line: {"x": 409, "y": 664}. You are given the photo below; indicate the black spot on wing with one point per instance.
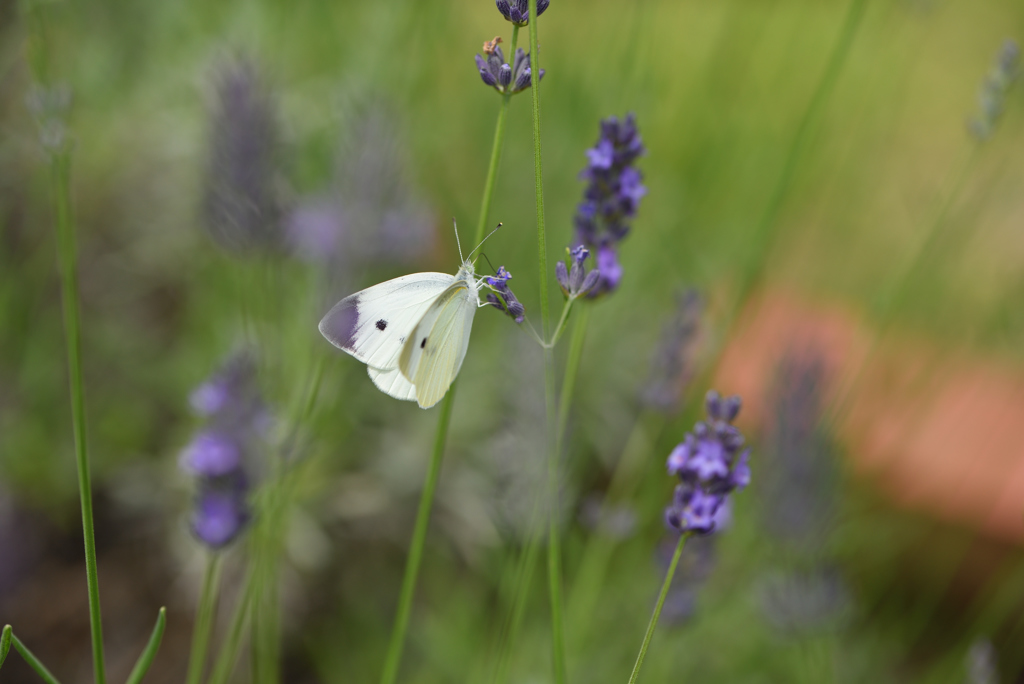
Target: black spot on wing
{"x": 423, "y": 343}
{"x": 382, "y": 324}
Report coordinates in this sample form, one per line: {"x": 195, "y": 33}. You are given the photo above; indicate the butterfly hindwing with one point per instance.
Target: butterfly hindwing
{"x": 392, "y": 383}
{"x": 373, "y": 324}
{"x": 433, "y": 354}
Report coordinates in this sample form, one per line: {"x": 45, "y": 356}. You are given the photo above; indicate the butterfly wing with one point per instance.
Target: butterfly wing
{"x": 373, "y": 324}
{"x": 392, "y": 383}
{"x": 432, "y": 356}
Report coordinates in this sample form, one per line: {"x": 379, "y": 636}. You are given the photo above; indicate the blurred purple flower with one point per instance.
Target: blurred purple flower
{"x": 242, "y": 208}
{"x": 315, "y": 230}
{"x": 220, "y": 454}
{"x": 220, "y": 515}
{"x": 671, "y": 364}
{"x": 211, "y": 454}
{"x": 518, "y": 11}
{"x": 798, "y": 491}
{"x": 371, "y": 212}
{"x": 710, "y": 465}
{"x": 612, "y": 197}
{"x": 992, "y": 97}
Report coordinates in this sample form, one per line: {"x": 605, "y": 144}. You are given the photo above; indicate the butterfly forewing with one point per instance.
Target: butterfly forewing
{"x": 433, "y": 355}
{"x": 373, "y": 324}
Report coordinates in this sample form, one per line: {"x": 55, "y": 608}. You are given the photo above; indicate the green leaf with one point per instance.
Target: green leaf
{"x": 146, "y": 659}
{"x": 5, "y": 643}
{"x": 32, "y": 661}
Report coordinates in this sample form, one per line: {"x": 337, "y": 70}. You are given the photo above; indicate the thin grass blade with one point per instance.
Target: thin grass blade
{"x": 146, "y": 659}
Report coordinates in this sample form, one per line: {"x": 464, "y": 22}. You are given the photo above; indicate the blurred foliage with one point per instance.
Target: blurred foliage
{"x": 719, "y": 89}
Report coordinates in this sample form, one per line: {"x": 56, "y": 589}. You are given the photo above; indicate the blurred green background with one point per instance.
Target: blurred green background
{"x": 721, "y": 91}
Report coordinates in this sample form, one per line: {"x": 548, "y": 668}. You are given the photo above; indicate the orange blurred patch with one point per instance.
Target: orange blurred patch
{"x": 939, "y": 431}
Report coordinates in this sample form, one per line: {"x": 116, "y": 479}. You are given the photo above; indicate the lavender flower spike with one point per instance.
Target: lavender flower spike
{"x": 518, "y": 11}
{"x": 502, "y": 76}
{"x": 504, "y": 299}
{"x": 612, "y": 197}
{"x": 575, "y": 280}
{"x": 710, "y": 463}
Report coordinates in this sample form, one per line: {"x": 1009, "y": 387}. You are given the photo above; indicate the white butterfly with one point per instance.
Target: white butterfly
{"x": 411, "y": 332}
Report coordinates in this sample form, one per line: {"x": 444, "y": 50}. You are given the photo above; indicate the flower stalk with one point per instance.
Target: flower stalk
{"x": 657, "y": 609}
{"x": 60, "y": 169}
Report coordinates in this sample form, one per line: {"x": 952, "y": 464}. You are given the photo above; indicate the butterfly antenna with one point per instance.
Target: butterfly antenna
{"x": 459, "y": 244}
{"x": 484, "y": 255}
{"x": 485, "y": 239}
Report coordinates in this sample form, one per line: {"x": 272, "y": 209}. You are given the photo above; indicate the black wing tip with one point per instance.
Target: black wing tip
{"x": 340, "y": 324}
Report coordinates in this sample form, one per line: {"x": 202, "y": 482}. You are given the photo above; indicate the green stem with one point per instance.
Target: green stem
{"x": 560, "y": 326}
{"x": 32, "y": 661}
{"x": 657, "y": 609}
{"x": 419, "y": 538}
{"x": 492, "y": 167}
{"x": 397, "y": 643}
{"x": 572, "y": 366}
{"x": 61, "y": 171}
{"x": 554, "y": 537}
{"x": 229, "y": 651}
{"x": 542, "y": 239}
{"x": 204, "y": 620}
{"x": 149, "y": 653}
{"x": 524, "y": 577}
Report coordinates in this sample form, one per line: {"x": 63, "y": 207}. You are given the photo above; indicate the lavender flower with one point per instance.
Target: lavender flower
{"x": 611, "y": 198}
{"x": 504, "y": 300}
{"x": 518, "y": 11}
{"x": 242, "y": 210}
{"x": 798, "y": 491}
{"x": 220, "y": 454}
{"x": 221, "y": 511}
{"x": 993, "y": 91}
{"x": 671, "y": 364}
{"x": 575, "y": 280}
{"x": 710, "y": 463}
{"x": 505, "y": 78}
{"x": 371, "y": 212}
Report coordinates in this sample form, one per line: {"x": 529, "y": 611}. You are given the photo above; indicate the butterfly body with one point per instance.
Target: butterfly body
{"x": 411, "y": 332}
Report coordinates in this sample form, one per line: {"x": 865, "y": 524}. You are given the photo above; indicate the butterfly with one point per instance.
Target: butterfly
{"x": 411, "y": 332}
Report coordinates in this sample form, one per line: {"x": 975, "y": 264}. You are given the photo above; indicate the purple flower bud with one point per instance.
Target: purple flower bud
{"x": 485, "y": 71}
{"x": 211, "y": 454}
{"x": 219, "y": 517}
{"x": 506, "y": 300}
{"x": 504, "y": 75}
{"x": 740, "y": 476}
{"x": 574, "y": 280}
{"x": 602, "y": 155}
{"x": 210, "y": 397}
{"x": 562, "y": 276}
{"x": 518, "y": 11}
